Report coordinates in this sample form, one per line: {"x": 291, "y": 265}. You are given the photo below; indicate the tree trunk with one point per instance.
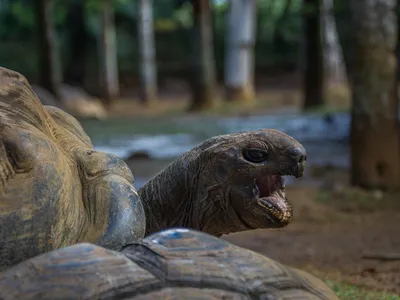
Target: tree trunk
{"x": 77, "y": 40}
{"x": 203, "y": 82}
{"x": 108, "y": 53}
{"x": 49, "y": 63}
{"x": 147, "y": 52}
{"x": 313, "y": 71}
{"x": 369, "y": 37}
{"x": 239, "y": 61}
{"x": 398, "y": 42}
{"x": 333, "y": 59}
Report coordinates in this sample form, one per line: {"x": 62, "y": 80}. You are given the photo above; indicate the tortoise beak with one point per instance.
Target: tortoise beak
{"x": 298, "y": 156}
{"x": 299, "y": 169}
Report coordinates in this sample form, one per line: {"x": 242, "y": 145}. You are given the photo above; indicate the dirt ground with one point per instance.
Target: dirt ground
{"x": 335, "y": 227}
{"x": 273, "y": 95}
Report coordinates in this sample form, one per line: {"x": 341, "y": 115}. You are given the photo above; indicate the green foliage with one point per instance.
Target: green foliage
{"x": 24, "y": 16}
{"x": 278, "y": 32}
{"x": 183, "y": 15}
{"x": 270, "y": 12}
{"x": 346, "y": 291}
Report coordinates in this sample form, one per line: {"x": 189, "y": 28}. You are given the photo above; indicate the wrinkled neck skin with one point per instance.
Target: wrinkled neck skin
{"x": 185, "y": 194}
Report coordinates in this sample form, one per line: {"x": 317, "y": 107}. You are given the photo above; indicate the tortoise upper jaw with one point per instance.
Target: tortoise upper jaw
{"x": 298, "y": 169}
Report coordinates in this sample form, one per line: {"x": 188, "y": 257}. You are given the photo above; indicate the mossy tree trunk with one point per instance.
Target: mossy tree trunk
{"x": 75, "y": 70}
{"x": 50, "y": 76}
{"x": 109, "y": 80}
{"x": 368, "y": 34}
{"x": 203, "y": 81}
{"x": 147, "y": 51}
{"x": 239, "y": 58}
{"x": 313, "y": 69}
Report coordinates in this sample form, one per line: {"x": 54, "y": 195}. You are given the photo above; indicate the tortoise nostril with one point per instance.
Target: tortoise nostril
{"x": 297, "y": 153}
{"x": 301, "y": 158}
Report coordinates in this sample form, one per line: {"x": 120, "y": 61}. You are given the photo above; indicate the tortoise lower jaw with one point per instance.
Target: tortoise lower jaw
{"x": 270, "y": 194}
{"x": 278, "y": 207}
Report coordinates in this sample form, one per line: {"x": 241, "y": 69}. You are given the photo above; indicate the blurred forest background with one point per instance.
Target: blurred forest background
{"x": 151, "y": 79}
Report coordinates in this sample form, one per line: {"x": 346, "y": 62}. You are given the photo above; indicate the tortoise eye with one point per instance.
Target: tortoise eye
{"x": 255, "y": 155}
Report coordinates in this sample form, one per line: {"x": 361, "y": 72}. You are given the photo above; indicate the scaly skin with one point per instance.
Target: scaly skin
{"x": 210, "y": 188}
{"x": 55, "y": 190}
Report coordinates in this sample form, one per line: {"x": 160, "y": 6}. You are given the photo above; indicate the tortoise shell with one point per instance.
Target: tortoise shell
{"x": 55, "y": 189}
{"x": 172, "y": 264}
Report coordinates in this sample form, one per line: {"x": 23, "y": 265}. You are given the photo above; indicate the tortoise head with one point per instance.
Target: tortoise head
{"x": 245, "y": 178}
{"x": 229, "y": 183}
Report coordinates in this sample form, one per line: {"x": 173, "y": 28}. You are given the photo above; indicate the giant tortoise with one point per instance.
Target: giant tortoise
{"x": 56, "y": 190}
{"x": 172, "y": 264}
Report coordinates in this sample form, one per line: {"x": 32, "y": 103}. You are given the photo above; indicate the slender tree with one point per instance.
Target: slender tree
{"x": 148, "y": 70}
{"x": 49, "y": 63}
{"x": 108, "y": 53}
{"x": 313, "y": 70}
{"x": 368, "y": 33}
{"x": 203, "y": 81}
{"x": 239, "y": 58}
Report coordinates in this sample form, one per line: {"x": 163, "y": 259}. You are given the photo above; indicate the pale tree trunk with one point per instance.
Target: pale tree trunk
{"x": 108, "y": 53}
{"x": 49, "y": 63}
{"x": 147, "y": 52}
{"x": 369, "y": 33}
{"x": 239, "y": 58}
{"x": 333, "y": 59}
{"x": 313, "y": 71}
{"x": 203, "y": 81}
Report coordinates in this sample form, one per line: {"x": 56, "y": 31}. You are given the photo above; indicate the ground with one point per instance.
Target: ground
{"x": 273, "y": 94}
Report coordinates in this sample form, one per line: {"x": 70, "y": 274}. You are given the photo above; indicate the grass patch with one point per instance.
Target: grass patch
{"x": 326, "y": 109}
{"x": 346, "y": 291}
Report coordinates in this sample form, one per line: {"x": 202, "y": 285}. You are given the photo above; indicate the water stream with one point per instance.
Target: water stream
{"x": 324, "y": 136}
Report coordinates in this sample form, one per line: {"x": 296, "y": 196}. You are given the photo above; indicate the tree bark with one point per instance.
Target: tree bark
{"x": 369, "y": 33}
{"x": 313, "y": 71}
{"x": 333, "y": 59}
{"x": 50, "y": 76}
{"x": 203, "y": 82}
{"x": 108, "y": 53}
{"x": 239, "y": 61}
{"x": 77, "y": 40}
{"x": 398, "y": 42}
{"x": 148, "y": 70}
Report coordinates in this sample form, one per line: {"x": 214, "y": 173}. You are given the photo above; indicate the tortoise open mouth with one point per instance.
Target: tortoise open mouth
{"x": 269, "y": 192}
